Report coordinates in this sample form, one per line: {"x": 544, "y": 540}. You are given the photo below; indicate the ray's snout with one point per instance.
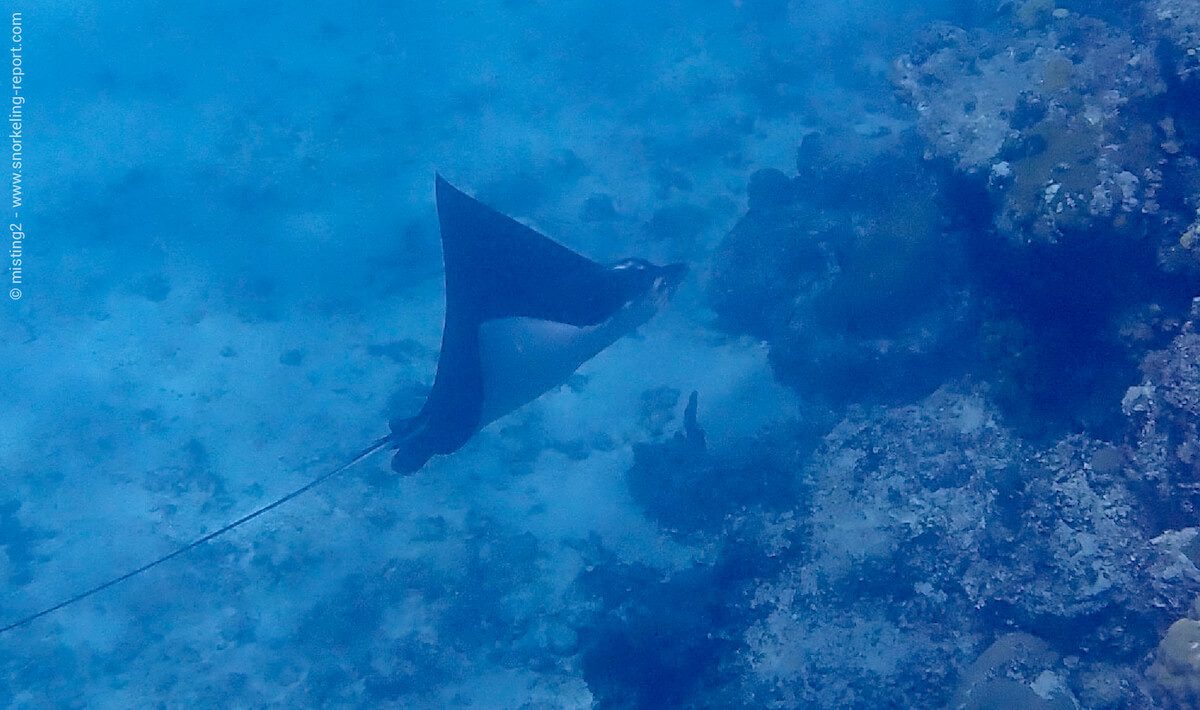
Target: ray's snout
{"x": 671, "y": 275}
{"x": 667, "y": 279}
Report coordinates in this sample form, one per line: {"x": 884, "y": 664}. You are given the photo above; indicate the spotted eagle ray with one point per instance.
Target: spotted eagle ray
{"x": 523, "y": 312}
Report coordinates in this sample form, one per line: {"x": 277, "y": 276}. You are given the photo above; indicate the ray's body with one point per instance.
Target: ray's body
{"x": 523, "y": 312}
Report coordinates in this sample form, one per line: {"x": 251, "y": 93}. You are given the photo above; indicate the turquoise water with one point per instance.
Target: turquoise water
{"x": 938, "y": 320}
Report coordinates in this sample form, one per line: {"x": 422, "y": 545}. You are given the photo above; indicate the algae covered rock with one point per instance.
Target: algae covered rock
{"x": 1176, "y": 667}
{"x": 1017, "y": 672}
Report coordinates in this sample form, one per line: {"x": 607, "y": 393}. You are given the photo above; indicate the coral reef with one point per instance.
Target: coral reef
{"x": 850, "y": 287}
{"x": 1164, "y": 440}
{"x": 1020, "y": 537}
{"x": 924, "y": 535}
{"x": 1179, "y": 23}
{"x": 1064, "y": 136}
{"x": 1046, "y": 107}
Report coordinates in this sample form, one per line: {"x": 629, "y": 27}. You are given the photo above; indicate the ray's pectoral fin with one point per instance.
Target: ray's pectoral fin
{"x": 522, "y": 313}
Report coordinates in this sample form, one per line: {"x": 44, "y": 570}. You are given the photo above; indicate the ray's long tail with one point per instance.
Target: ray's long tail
{"x": 366, "y": 452}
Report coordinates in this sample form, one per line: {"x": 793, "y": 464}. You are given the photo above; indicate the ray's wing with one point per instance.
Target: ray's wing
{"x": 497, "y": 267}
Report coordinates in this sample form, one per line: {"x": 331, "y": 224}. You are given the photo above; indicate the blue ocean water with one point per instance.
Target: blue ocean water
{"x": 943, "y": 450}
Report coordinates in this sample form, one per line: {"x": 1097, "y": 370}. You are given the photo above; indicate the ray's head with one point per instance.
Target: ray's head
{"x": 645, "y": 280}
{"x": 645, "y": 288}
